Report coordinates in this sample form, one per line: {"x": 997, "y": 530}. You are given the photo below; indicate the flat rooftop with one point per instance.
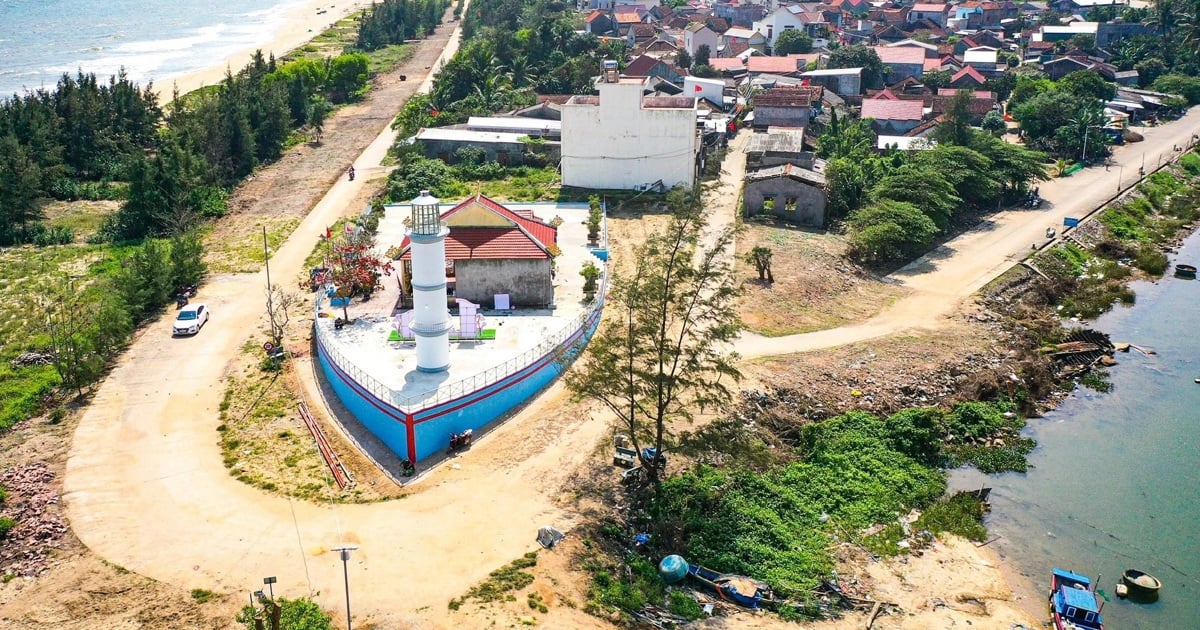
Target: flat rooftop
{"x": 522, "y": 335}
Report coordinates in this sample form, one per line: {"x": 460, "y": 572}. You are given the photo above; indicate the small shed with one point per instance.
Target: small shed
{"x": 791, "y": 192}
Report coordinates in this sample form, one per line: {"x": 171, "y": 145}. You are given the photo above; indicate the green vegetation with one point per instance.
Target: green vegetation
{"x": 203, "y": 595}
{"x": 294, "y": 614}
{"x": 394, "y": 21}
{"x": 415, "y": 173}
{"x": 778, "y": 522}
{"x": 897, "y": 203}
{"x": 961, "y": 514}
{"x": 6, "y": 526}
{"x": 501, "y": 583}
{"x": 1086, "y": 284}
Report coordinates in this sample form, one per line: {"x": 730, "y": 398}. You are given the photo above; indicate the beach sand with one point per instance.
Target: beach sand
{"x": 302, "y": 24}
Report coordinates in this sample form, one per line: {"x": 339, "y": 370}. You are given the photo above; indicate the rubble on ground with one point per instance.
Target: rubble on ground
{"x": 31, "y": 493}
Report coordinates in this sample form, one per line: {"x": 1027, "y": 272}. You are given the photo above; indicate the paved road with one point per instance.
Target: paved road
{"x": 943, "y": 278}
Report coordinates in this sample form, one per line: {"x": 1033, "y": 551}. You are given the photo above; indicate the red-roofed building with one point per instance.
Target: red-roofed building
{"x": 492, "y": 250}
{"x": 967, "y": 78}
{"x": 791, "y": 65}
{"x": 598, "y": 23}
{"x": 732, "y": 65}
{"x": 893, "y": 117}
{"x": 902, "y": 61}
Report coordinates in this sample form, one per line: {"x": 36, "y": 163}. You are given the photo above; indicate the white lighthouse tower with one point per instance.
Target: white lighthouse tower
{"x": 431, "y": 320}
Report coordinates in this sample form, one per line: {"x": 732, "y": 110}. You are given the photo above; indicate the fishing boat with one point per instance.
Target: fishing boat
{"x": 1141, "y": 584}
{"x": 1186, "y": 271}
{"x": 739, "y": 589}
{"x": 1073, "y": 602}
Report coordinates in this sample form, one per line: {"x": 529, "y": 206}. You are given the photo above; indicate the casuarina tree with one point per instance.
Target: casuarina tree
{"x": 662, "y": 353}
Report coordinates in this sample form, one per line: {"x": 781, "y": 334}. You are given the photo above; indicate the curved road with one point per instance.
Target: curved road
{"x": 146, "y": 489}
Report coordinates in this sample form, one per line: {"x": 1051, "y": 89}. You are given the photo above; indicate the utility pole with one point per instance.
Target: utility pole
{"x": 344, "y": 552}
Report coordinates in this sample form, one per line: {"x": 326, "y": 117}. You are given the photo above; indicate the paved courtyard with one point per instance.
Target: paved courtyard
{"x": 521, "y": 335}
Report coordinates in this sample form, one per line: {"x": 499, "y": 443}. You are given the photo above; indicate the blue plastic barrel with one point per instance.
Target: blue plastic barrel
{"x": 673, "y": 568}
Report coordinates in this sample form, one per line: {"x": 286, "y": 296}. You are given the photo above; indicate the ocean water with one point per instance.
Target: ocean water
{"x": 1115, "y": 482}
{"x": 152, "y": 39}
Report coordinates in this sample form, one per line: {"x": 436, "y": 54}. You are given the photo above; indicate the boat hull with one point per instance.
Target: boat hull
{"x": 1073, "y": 603}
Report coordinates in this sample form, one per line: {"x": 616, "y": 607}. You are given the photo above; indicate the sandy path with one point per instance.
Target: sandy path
{"x": 146, "y": 489}
{"x": 942, "y": 279}
{"x": 145, "y": 486}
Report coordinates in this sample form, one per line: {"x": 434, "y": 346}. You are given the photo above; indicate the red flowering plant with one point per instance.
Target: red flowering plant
{"x": 355, "y": 269}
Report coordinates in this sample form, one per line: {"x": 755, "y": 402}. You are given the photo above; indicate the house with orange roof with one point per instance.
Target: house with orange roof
{"x": 494, "y": 250}
{"x": 598, "y": 23}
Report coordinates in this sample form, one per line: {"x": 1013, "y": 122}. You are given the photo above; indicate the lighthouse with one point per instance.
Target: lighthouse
{"x": 431, "y": 320}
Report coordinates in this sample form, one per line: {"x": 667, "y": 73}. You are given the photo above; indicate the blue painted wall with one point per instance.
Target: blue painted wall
{"x": 388, "y": 429}
{"x": 473, "y": 411}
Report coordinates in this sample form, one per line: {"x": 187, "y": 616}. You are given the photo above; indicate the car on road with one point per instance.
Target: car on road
{"x": 190, "y": 319}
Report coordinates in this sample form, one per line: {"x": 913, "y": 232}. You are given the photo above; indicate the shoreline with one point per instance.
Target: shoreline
{"x": 302, "y": 24}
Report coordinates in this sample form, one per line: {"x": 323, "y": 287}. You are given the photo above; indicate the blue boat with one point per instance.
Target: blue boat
{"x": 739, "y": 589}
{"x": 1073, "y": 602}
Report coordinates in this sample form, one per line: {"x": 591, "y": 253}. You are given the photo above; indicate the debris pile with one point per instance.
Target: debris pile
{"x": 29, "y": 359}
{"x": 31, "y": 493}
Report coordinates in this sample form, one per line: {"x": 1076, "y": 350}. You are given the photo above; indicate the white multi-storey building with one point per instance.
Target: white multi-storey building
{"x": 625, "y": 140}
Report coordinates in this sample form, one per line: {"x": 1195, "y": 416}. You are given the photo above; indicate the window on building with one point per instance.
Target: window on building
{"x": 790, "y": 204}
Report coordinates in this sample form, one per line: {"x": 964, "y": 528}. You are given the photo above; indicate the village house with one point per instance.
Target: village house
{"x": 751, "y": 38}
{"x": 791, "y": 65}
{"x": 650, "y": 66}
{"x": 785, "y": 107}
{"x": 901, "y": 61}
{"x": 739, "y": 14}
{"x": 784, "y": 180}
{"x": 624, "y": 140}
{"x": 492, "y": 251}
{"x": 598, "y": 23}
{"x": 790, "y": 17}
{"x": 507, "y": 140}
{"x": 1084, "y": 8}
{"x": 698, "y": 34}
{"x": 985, "y": 59}
{"x": 893, "y": 117}
{"x": 967, "y": 79}
{"x": 936, "y": 13}
{"x": 840, "y": 81}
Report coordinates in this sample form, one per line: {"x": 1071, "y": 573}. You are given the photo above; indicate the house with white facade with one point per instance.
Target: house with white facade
{"x": 792, "y": 17}
{"x": 936, "y": 13}
{"x": 698, "y": 34}
{"x": 625, "y": 140}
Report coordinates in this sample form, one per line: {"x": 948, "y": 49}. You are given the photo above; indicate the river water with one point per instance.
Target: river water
{"x": 1114, "y": 482}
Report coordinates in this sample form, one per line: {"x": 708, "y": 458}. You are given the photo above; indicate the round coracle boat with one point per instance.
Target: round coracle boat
{"x": 1140, "y": 582}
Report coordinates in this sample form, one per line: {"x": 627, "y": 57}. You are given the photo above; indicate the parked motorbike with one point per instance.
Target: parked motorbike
{"x": 181, "y": 300}
{"x": 461, "y": 441}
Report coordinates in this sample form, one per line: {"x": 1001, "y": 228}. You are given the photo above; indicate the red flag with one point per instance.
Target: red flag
{"x": 699, "y": 89}
{"x": 328, "y": 233}
{"x": 804, "y": 83}
{"x": 434, "y": 113}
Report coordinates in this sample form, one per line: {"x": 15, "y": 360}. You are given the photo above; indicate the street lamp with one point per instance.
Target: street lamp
{"x": 344, "y": 552}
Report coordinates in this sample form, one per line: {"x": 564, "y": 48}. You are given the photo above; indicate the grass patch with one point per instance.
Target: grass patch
{"x": 6, "y": 526}
{"x": 501, "y": 583}
{"x": 244, "y": 254}
{"x": 961, "y": 514}
{"x": 202, "y": 595}
{"x": 389, "y": 58}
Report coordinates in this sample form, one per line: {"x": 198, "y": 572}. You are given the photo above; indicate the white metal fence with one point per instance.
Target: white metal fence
{"x": 412, "y": 403}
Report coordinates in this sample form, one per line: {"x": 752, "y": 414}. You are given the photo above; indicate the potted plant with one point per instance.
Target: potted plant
{"x": 591, "y": 274}
{"x": 595, "y": 216}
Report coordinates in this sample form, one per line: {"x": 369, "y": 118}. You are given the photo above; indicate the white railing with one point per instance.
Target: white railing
{"x": 451, "y": 391}
{"x": 413, "y": 403}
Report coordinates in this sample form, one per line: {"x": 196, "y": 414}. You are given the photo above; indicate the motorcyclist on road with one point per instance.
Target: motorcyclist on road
{"x": 351, "y": 172}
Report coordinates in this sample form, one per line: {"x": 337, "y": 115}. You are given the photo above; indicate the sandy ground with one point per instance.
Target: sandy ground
{"x": 303, "y": 23}
{"x": 145, "y": 487}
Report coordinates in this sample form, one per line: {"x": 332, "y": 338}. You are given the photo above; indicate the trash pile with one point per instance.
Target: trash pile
{"x": 31, "y": 492}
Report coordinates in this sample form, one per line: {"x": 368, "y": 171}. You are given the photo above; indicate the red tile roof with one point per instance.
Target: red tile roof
{"x": 881, "y": 109}
{"x": 527, "y": 237}
{"x": 727, "y": 63}
{"x": 966, "y": 72}
{"x": 773, "y": 65}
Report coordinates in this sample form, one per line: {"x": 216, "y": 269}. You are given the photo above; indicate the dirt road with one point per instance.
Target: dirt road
{"x": 145, "y": 487}
{"x": 942, "y": 279}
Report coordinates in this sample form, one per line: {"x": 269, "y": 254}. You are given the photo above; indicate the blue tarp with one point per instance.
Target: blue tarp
{"x": 1081, "y": 599}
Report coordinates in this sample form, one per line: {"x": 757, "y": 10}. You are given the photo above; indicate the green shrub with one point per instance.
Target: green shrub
{"x": 1191, "y": 164}
{"x": 6, "y": 526}
{"x": 961, "y": 514}
{"x": 3, "y": 495}
{"x": 1151, "y": 261}
{"x": 682, "y": 604}
{"x": 202, "y": 595}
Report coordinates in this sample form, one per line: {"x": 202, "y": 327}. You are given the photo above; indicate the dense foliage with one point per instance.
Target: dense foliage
{"x": 896, "y": 203}
{"x": 84, "y": 130}
{"x": 394, "y": 21}
{"x": 511, "y": 50}
{"x": 301, "y": 613}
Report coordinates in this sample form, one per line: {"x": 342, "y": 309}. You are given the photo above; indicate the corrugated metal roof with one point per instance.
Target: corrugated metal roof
{"x": 901, "y": 54}
{"x": 468, "y": 135}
